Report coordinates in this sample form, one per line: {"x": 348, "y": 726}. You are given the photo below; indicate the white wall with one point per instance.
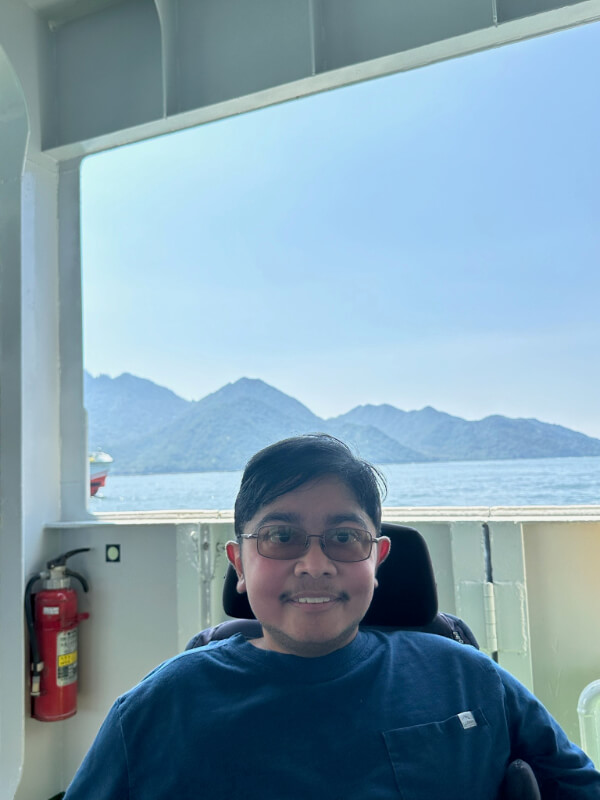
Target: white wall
{"x": 12, "y": 153}
{"x": 563, "y": 568}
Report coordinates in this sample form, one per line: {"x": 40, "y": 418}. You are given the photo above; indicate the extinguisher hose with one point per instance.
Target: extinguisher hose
{"x": 36, "y": 661}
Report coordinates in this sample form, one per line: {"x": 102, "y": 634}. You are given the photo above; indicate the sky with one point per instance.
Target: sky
{"x": 427, "y": 238}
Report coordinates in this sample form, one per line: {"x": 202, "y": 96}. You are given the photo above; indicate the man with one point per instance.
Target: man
{"x": 315, "y": 708}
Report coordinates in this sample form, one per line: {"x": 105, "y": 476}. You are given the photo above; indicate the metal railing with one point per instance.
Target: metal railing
{"x": 588, "y": 710}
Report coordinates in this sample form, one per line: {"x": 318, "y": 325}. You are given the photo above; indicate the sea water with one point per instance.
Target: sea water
{"x": 518, "y": 482}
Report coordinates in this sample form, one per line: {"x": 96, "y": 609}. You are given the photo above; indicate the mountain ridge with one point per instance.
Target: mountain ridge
{"x": 147, "y": 428}
{"x": 450, "y": 438}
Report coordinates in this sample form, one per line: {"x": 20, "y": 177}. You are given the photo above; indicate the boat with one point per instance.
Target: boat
{"x": 100, "y": 463}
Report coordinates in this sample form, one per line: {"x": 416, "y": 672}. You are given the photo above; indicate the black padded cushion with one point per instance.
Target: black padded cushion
{"x": 406, "y": 595}
{"x": 235, "y": 604}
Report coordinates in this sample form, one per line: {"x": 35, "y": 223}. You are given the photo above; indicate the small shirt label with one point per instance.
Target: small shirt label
{"x": 467, "y": 720}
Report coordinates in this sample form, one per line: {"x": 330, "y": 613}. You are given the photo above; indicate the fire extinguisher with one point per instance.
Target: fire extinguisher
{"x": 52, "y": 620}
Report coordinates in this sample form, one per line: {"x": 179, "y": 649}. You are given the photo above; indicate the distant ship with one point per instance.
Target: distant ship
{"x": 99, "y": 468}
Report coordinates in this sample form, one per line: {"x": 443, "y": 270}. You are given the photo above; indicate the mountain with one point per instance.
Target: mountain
{"x": 126, "y": 407}
{"x": 221, "y": 431}
{"x": 412, "y": 428}
{"x": 149, "y": 429}
{"x": 443, "y": 436}
{"x": 372, "y": 443}
{"x": 257, "y": 391}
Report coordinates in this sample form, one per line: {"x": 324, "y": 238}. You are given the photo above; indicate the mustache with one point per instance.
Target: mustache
{"x": 313, "y": 589}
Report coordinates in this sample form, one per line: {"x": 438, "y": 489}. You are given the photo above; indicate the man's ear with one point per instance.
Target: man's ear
{"x": 234, "y": 556}
{"x": 383, "y": 550}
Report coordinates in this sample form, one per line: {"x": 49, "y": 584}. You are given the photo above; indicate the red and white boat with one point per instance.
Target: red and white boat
{"x": 99, "y": 468}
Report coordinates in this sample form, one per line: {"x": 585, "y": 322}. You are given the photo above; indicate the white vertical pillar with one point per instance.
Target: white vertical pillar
{"x": 40, "y": 432}
{"x": 13, "y": 135}
{"x": 74, "y": 489}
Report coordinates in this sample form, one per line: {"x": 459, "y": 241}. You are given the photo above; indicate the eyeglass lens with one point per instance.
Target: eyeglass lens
{"x": 339, "y": 544}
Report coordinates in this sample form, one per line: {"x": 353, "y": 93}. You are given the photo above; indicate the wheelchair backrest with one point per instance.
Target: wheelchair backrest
{"x": 406, "y": 597}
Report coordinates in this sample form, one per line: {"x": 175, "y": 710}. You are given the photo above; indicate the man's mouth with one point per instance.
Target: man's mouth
{"x": 314, "y": 599}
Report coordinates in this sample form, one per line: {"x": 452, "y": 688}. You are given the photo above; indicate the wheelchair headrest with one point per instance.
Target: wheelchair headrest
{"x": 406, "y": 595}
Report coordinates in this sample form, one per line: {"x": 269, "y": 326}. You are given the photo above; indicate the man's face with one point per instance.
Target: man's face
{"x": 310, "y": 605}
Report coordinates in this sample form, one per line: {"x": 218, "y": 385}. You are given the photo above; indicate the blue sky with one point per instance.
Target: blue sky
{"x": 428, "y": 238}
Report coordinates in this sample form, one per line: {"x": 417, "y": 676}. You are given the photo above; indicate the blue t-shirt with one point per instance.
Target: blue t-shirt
{"x": 391, "y": 715}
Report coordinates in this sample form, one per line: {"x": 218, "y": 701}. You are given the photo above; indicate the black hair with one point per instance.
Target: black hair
{"x": 286, "y": 465}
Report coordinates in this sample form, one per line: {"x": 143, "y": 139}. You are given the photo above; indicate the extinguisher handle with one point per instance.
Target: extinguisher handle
{"x": 72, "y": 574}
{"x": 60, "y": 561}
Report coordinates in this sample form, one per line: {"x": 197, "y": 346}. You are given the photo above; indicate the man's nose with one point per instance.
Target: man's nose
{"x": 314, "y": 561}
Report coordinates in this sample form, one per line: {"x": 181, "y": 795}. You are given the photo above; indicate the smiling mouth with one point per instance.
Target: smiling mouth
{"x": 314, "y": 600}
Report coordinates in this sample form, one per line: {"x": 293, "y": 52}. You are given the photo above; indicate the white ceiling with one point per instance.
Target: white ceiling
{"x": 115, "y": 71}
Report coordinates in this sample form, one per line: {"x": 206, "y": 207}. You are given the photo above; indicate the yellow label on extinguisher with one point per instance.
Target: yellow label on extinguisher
{"x": 66, "y": 657}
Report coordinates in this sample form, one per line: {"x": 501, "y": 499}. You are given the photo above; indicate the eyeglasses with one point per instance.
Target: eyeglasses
{"x": 284, "y": 542}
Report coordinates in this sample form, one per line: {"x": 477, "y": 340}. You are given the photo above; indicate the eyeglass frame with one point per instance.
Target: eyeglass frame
{"x": 321, "y": 537}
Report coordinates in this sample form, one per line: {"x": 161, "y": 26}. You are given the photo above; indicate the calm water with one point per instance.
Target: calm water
{"x": 547, "y": 481}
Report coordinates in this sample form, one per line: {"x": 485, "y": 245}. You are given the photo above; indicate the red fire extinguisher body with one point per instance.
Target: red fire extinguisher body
{"x": 52, "y": 622}
{"x": 56, "y": 621}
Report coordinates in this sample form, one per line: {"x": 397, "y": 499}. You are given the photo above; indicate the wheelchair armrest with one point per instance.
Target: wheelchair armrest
{"x": 519, "y": 782}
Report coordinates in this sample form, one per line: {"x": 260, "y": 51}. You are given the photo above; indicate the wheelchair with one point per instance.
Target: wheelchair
{"x": 406, "y": 599}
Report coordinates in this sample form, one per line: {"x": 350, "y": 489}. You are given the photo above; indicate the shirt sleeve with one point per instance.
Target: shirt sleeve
{"x": 562, "y": 769}
{"x": 103, "y": 774}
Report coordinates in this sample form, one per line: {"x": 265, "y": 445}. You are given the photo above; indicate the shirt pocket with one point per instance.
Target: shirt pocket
{"x": 453, "y": 759}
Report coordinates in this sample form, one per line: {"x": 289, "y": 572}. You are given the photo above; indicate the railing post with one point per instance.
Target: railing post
{"x": 588, "y": 709}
